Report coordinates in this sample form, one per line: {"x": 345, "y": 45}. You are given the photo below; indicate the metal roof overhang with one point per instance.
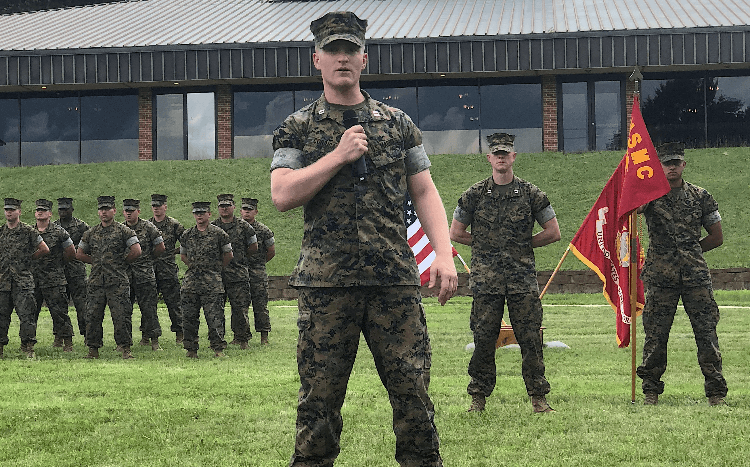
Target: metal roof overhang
{"x": 391, "y": 59}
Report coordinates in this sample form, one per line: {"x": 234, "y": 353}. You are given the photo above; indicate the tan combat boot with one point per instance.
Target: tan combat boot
{"x": 244, "y": 345}
{"x": 477, "y": 403}
{"x": 155, "y": 343}
{"x": 144, "y": 341}
{"x": 67, "y": 344}
{"x": 58, "y": 342}
{"x": 179, "y": 337}
{"x": 93, "y": 352}
{"x": 651, "y": 398}
{"x": 28, "y": 349}
{"x": 192, "y": 354}
{"x": 219, "y": 354}
{"x": 713, "y": 401}
{"x": 540, "y": 405}
{"x": 126, "y": 353}
{"x": 264, "y": 338}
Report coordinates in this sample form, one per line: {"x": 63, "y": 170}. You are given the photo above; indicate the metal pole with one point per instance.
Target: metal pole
{"x": 636, "y": 77}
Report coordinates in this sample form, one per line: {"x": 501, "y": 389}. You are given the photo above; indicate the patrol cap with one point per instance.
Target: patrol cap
{"x": 671, "y": 151}
{"x": 105, "y": 202}
{"x": 131, "y": 204}
{"x": 249, "y": 203}
{"x": 64, "y": 203}
{"x": 202, "y": 206}
{"x": 12, "y": 203}
{"x": 43, "y": 204}
{"x": 158, "y": 200}
{"x": 227, "y": 199}
{"x": 501, "y": 142}
{"x": 338, "y": 25}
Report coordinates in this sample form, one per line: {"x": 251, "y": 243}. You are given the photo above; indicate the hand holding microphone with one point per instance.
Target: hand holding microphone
{"x": 359, "y": 167}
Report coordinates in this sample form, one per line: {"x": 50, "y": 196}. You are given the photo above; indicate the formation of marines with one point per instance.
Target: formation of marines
{"x": 132, "y": 262}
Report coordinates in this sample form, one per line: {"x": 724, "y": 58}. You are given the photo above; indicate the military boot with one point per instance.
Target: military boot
{"x": 716, "y": 400}
{"x": 264, "y": 338}
{"x": 126, "y": 353}
{"x": 477, "y": 403}
{"x": 67, "y": 344}
{"x": 192, "y": 354}
{"x": 93, "y": 352}
{"x": 651, "y": 398}
{"x": 179, "y": 337}
{"x": 58, "y": 342}
{"x": 244, "y": 345}
{"x": 540, "y": 405}
{"x": 155, "y": 343}
{"x": 28, "y": 349}
{"x": 144, "y": 341}
{"x": 219, "y": 354}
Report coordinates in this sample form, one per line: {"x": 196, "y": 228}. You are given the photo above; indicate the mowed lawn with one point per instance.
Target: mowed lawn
{"x": 163, "y": 409}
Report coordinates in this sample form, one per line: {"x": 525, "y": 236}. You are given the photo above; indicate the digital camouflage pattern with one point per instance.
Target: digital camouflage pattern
{"x": 338, "y": 25}
{"x": 503, "y": 270}
{"x": 258, "y": 277}
{"x": 16, "y": 280}
{"x": 75, "y": 271}
{"x": 142, "y": 269}
{"x": 143, "y": 279}
{"x": 241, "y": 235}
{"x": 108, "y": 247}
{"x": 50, "y": 281}
{"x": 525, "y": 313}
{"x": 204, "y": 251}
{"x": 393, "y": 323}
{"x": 502, "y": 224}
{"x": 166, "y": 270}
{"x": 202, "y": 285}
{"x": 236, "y": 277}
{"x": 117, "y": 297}
{"x": 354, "y": 231}
{"x": 674, "y": 223}
{"x": 674, "y": 268}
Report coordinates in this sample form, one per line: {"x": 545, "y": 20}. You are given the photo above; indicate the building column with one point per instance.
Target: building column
{"x": 145, "y": 124}
{"x": 224, "y": 130}
{"x": 549, "y": 113}
{"x": 629, "y": 93}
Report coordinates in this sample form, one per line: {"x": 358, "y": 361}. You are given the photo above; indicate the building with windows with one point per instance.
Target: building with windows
{"x": 194, "y": 79}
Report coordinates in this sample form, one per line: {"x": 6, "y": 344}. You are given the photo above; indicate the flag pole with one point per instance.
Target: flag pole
{"x": 636, "y": 77}
{"x": 565, "y": 255}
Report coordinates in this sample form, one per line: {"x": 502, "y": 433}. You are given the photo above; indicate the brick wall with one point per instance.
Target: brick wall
{"x": 549, "y": 113}
{"x": 145, "y": 125}
{"x": 565, "y": 282}
{"x": 224, "y": 122}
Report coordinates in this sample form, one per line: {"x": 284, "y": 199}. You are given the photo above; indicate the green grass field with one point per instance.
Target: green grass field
{"x": 163, "y": 409}
{"x": 572, "y": 182}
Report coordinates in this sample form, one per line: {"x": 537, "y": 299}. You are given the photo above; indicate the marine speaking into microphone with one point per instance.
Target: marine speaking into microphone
{"x": 359, "y": 167}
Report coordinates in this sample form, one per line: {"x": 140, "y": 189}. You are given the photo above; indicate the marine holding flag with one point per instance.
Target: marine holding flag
{"x": 502, "y": 211}
{"x": 356, "y": 274}
{"x": 602, "y": 241}
{"x": 675, "y": 268}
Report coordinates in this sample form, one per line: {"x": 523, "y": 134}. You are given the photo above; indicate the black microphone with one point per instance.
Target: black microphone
{"x": 359, "y": 166}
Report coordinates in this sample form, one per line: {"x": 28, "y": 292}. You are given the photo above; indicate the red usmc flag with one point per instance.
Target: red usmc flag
{"x": 602, "y": 240}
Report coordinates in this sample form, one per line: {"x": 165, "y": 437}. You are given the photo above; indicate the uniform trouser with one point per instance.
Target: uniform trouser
{"x": 168, "y": 283}
{"x": 259, "y": 297}
{"x": 77, "y": 291}
{"x": 57, "y": 303}
{"x": 213, "y": 310}
{"x": 393, "y": 324}
{"x": 23, "y": 301}
{"x": 525, "y": 313}
{"x": 148, "y": 301}
{"x": 120, "y": 308}
{"x": 658, "y": 315}
{"x": 238, "y": 294}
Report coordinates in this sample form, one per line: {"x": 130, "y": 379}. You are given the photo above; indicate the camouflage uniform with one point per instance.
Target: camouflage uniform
{"x": 75, "y": 272}
{"x": 357, "y": 274}
{"x": 143, "y": 279}
{"x": 202, "y": 285}
{"x": 235, "y": 276}
{"x": 503, "y": 270}
{"x": 166, "y": 270}
{"x": 108, "y": 282}
{"x": 256, "y": 268}
{"x": 49, "y": 277}
{"x": 17, "y": 282}
{"x": 675, "y": 268}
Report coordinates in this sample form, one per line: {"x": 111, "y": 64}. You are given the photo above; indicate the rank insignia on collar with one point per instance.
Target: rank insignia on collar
{"x": 376, "y": 113}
